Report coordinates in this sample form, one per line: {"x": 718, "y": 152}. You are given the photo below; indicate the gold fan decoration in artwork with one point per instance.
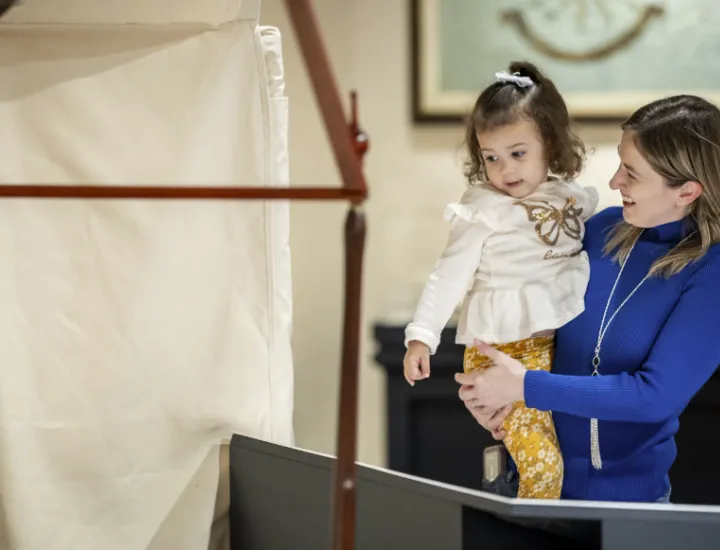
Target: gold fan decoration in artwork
{"x": 626, "y": 21}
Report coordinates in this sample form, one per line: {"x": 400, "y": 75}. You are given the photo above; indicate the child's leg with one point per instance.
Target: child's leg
{"x": 531, "y": 438}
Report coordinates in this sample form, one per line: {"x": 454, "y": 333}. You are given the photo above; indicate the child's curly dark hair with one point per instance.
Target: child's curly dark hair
{"x": 505, "y": 103}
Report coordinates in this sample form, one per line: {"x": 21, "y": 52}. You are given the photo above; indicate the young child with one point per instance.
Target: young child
{"x": 516, "y": 235}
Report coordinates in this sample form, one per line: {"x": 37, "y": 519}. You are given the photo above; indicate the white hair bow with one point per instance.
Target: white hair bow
{"x": 515, "y": 78}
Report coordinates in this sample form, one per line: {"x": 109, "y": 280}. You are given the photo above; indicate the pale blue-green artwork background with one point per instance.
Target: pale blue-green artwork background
{"x": 678, "y": 51}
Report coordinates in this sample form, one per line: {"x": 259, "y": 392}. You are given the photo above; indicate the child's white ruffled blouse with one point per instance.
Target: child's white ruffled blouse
{"x": 518, "y": 263}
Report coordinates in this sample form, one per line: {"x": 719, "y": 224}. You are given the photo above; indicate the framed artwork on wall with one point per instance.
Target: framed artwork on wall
{"x": 607, "y": 57}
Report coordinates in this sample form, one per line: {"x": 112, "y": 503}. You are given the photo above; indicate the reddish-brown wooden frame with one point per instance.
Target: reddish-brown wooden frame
{"x": 348, "y": 150}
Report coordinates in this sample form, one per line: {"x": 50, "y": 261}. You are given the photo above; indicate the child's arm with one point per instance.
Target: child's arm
{"x": 449, "y": 279}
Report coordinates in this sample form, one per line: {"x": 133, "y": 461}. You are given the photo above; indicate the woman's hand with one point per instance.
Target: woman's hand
{"x": 416, "y": 365}
{"x": 491, "y": 420}
{"x": 495, "y": 387}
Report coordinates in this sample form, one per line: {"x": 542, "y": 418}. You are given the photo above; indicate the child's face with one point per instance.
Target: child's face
{"x": 514, "y": 158}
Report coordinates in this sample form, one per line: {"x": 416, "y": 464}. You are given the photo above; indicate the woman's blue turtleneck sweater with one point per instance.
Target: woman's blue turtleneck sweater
{"x": 662, "y": 346}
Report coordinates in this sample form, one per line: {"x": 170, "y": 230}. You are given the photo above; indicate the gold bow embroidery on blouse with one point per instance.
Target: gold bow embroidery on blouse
{"x": 550, "y": 220}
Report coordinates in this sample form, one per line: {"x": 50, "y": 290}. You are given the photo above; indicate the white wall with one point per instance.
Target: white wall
{"x": 412, "y": 173}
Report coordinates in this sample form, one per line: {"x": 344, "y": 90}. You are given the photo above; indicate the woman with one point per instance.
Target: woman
{"x": 647, "y": 341}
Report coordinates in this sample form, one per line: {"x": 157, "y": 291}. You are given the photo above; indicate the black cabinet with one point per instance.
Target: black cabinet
{"x": 430, "y": 434}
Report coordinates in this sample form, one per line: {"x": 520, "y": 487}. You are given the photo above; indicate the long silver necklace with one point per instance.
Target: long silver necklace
{"x": 595, "y": 456}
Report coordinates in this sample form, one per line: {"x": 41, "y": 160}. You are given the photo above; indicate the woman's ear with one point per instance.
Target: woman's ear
{"x": 689, "y": 193}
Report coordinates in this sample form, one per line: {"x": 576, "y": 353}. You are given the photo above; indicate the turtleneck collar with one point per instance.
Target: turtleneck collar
{"x": 669, "y": 232}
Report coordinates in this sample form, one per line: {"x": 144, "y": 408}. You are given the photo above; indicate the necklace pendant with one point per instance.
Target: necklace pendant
{"x": 595, "y": 457}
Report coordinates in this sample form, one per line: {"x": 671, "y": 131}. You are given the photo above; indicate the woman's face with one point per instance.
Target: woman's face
{"x": 647, "y": 199}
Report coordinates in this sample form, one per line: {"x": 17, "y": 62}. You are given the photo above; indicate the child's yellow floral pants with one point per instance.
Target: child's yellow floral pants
{"x": 531, "y": 438}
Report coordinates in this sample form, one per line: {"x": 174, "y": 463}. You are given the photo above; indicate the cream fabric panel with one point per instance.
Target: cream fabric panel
{"x": 137, "y": 335}
{"x": 278, "y": 218}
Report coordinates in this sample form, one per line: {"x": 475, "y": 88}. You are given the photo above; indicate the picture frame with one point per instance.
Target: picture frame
{"x": 615, "y": 62}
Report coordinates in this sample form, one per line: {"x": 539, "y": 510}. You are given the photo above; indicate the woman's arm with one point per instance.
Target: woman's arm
{"x": 684, "y": 356}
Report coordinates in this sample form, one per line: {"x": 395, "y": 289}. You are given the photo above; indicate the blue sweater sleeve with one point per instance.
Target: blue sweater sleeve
{"x": 682, "y": 359}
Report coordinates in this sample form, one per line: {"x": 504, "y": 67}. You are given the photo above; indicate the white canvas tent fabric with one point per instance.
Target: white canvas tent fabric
{"x": 135, "y": 336}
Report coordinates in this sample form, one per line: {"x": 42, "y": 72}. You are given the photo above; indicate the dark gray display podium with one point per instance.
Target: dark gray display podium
{"x": 281, "y": 498}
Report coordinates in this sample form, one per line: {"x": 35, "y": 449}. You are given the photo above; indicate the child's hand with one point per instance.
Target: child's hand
{"x": 417, "y": 362}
